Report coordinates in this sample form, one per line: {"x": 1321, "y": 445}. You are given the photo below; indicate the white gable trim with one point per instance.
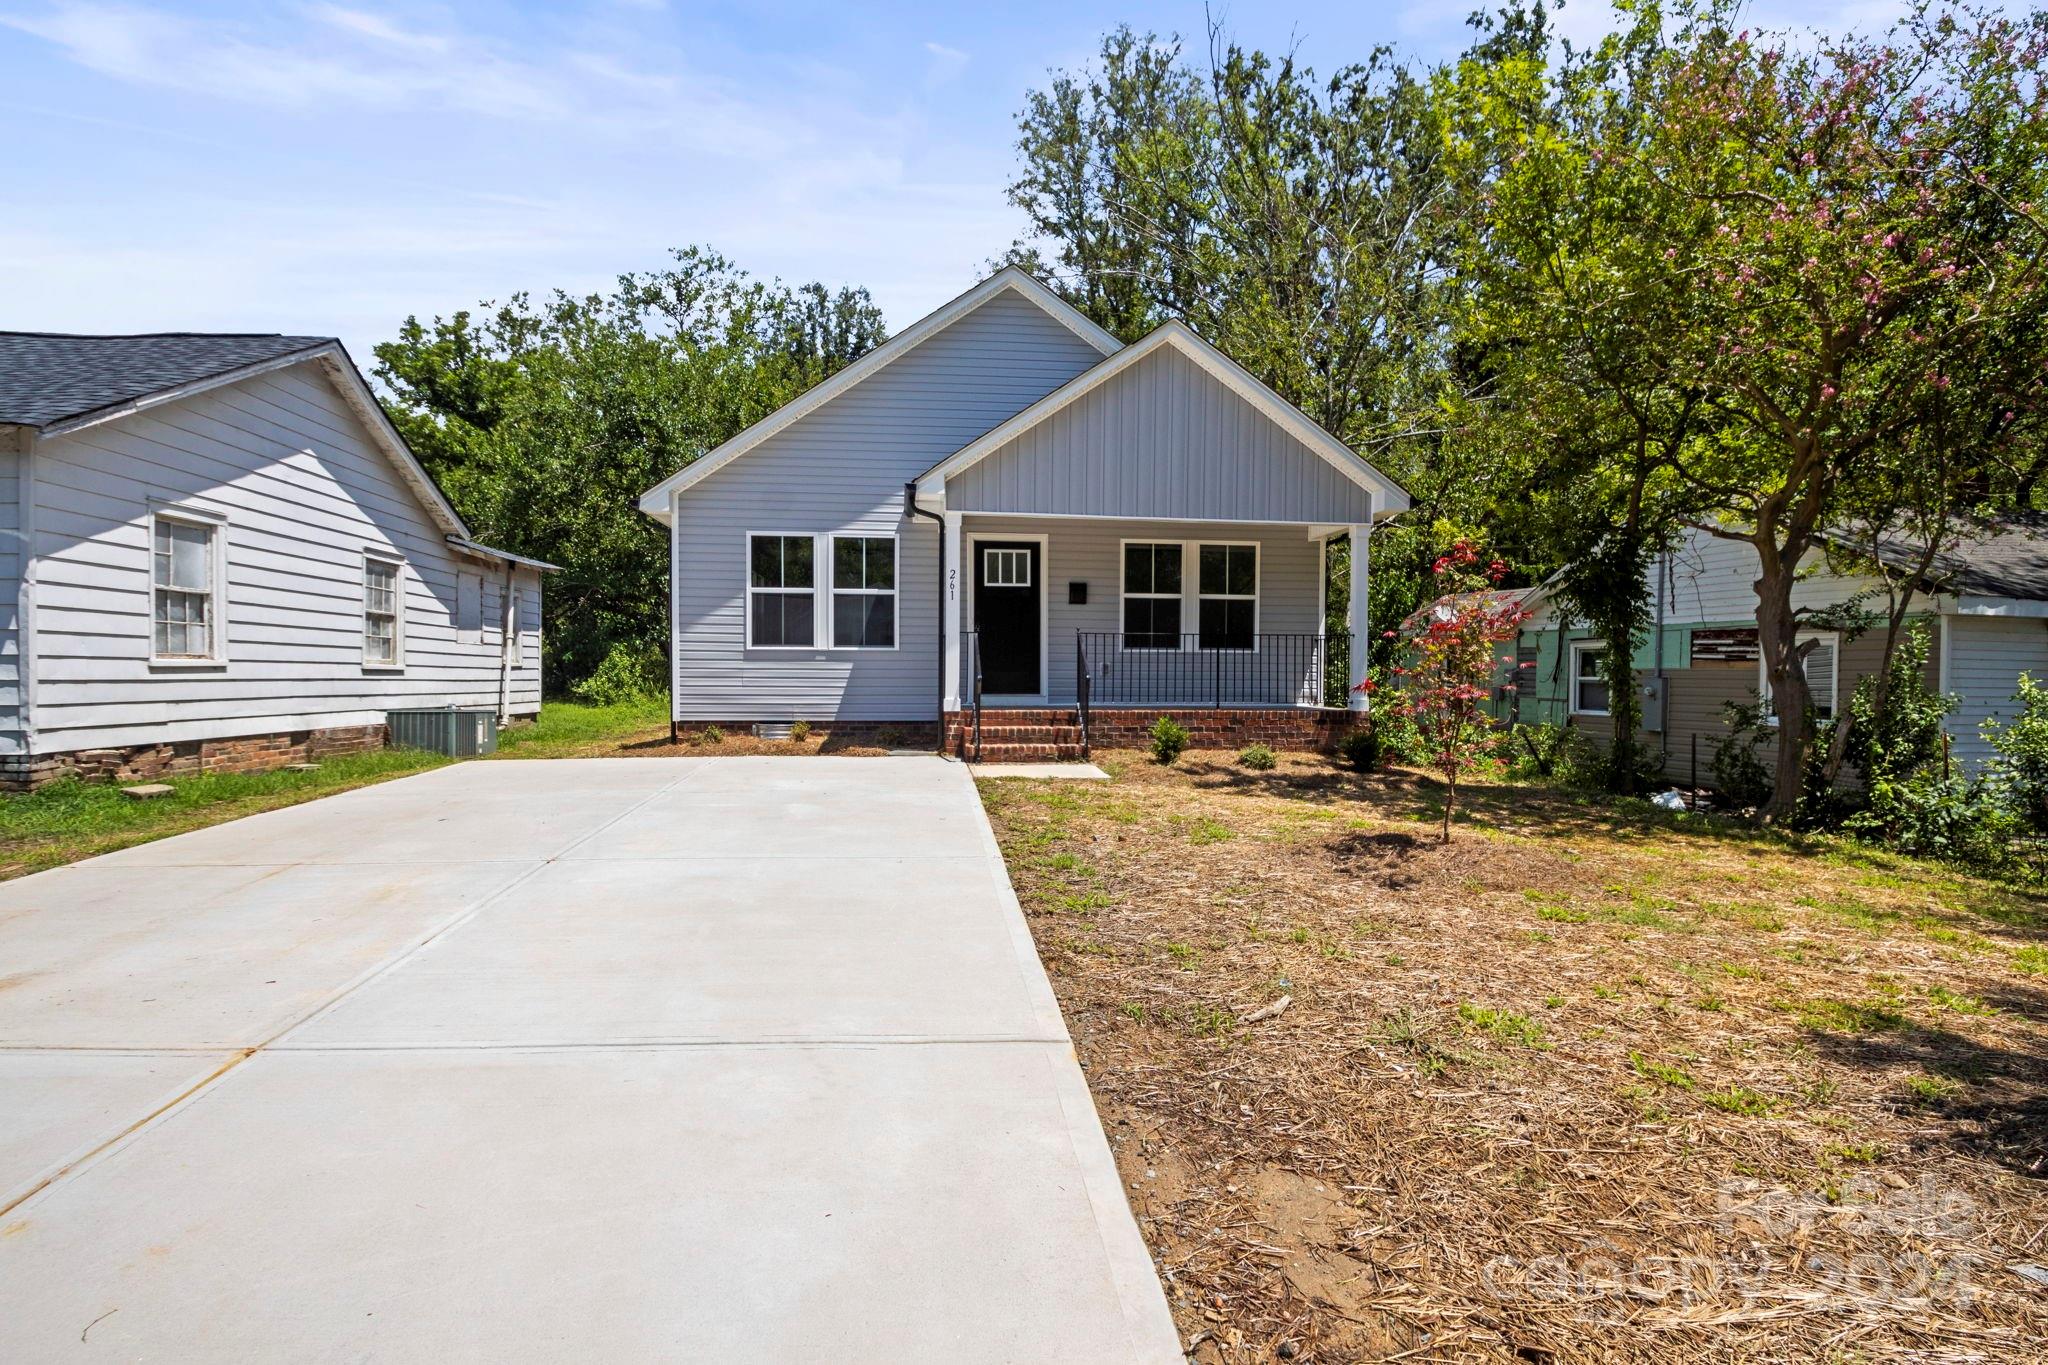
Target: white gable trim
{"x": 656, "y": 502}
{"x": 1388, "y": 496}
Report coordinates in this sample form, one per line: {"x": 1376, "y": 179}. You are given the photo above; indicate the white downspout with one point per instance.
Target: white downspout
{"x": 508, "y": 640}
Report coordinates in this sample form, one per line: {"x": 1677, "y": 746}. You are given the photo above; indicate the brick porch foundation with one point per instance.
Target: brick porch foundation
{"x": 1013, "y": 734}
{"x": 149, "y": 762}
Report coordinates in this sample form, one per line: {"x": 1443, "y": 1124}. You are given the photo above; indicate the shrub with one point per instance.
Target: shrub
{"x": 1258, "y": 758}
{"x": 1361, "y": 748}
{"x": 629, "y": 672}
{"x": 2021, "y": 768}
{"x": 1903, "y": 738}
{"x": 1930, "y": 816}
{"x": 1739, "y": 775}
{"x": 799, "y": 732}
{"x": 711, "y": 734}
{"x": 1169, "y": 739}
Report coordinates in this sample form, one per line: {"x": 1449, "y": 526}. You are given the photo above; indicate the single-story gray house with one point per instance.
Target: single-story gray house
{"x": 1985, "y": 606}
{"x": 1008, "y": 524}
{"x": 216, "y": 552}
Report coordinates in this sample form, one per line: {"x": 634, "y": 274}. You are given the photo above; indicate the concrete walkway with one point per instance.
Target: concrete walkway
{"x": 615, "y": 1059}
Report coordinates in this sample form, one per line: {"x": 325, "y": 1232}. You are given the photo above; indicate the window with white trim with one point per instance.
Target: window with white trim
{"x": 383, "y": 599}
{"x": 1589, "y": 679}
{"x": 1152, "y": 596}
{"x": 863, "y": 592}
{"x": 184, "y": 597}
{"x": 1006, "y": 568}
{"x": 782, "y": 601}
{"x": 1822, "y": 665}
{"x": 1227, "y": 588}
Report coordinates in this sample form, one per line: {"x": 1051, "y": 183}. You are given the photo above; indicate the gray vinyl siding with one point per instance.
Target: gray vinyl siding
{"x": 1986, "y": 656}
{"x": 303, "y": 493}
{"x": 1090, "y": 551}
{"x": 1163, "y": 438}
{"x": 10, "y": 591}
{"x": 842, "y": 468}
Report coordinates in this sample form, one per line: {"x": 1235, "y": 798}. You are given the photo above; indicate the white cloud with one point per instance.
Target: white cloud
{"x": 946, "y": 64}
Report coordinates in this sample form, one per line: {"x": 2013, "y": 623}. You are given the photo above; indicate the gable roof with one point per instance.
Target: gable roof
{"x": 50, "y": 379}
{"x": 55, "y": 383}
{"x": 2004, "y": 557}
{"x": 655, "y": 501}
{"x": 1388, "y": 496}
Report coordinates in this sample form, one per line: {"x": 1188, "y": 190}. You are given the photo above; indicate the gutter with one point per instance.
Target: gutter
{"x": 911, "y": 511}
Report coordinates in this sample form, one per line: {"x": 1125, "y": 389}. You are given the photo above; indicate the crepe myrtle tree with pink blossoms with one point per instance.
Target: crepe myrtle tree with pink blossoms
{"x": 1450, "y": 653}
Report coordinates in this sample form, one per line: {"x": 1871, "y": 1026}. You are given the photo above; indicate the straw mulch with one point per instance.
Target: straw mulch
{"x": 1590, "y": 1083}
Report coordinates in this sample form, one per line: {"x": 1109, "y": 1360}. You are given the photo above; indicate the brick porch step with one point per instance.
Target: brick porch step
{"x": 1028, "y": 753}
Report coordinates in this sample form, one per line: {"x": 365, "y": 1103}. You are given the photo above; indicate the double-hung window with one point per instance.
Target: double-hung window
{"x": 1152, "y": 596}
{"x": 1820, "y": 674}
{"x": 1227, "y": 582}
{"x": 383, "y": 598}
{"x": 782, "y": 603}
{"x": 1589, "y": 682}
{"x": 863, "y": 592}
{"x": 184, "y": 606}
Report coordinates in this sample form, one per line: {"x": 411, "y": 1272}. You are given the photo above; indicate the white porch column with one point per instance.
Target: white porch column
{"x": 1355, "y": 614}
{"x": 951, "y": 587}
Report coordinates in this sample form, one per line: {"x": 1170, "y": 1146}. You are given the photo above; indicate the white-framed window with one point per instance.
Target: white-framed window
{"x": 863, "y": 592}
{"x": 383, "y": 612}
{"x": 185, "y": 619}
{"x": 1823, "y": 668}
{"x": 1152, "y": 594}
{"x": 782, "y": 592}
{"x": 1006, "y": 568}
{"x": 1227, "y": 591}
{"x": 1589, "y": 681}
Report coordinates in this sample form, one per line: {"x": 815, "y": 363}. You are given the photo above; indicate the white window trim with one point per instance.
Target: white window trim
{"x": 217, "y": 592}
{"x": 821, "y": 592}
{"x": 1258, "y": 570}
{"x": 1579, "y": 647}
{"x": 987, "y": 554}
{"x": 396, "y": 563}
{"x": 1833, "y": 638}
{"x": 1045, "y": 576}
{"x": 833, "y": 593}
{"x": 1191, "y": 594}
{"x": 1123, "y": 594}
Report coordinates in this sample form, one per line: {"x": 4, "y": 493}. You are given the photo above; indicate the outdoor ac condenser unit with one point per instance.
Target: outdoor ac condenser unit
{"x": 459, "y": 734}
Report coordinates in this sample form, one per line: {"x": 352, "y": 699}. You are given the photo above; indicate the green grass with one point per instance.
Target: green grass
{"x": 565, "y": 727}
{"x": 1508, "y": 1027}
{"x": 66, "y": 821}
{"x": 1737, "y": 1099}
{"x": 1655, "y": 1070}
{"x": 1843, "y": 1017}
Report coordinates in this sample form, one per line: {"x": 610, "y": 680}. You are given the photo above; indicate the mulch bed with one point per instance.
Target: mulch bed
{"x": 1589, "y": 1083}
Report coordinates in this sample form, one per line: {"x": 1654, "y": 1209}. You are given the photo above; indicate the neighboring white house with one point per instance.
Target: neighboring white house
{"x": 1005, "y": 517}
{"x": 1986, "y": 609}
{"x": 215, "y": 551}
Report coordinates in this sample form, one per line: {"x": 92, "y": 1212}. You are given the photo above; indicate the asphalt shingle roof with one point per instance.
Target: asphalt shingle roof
{"x": 50, "y": 377}
{"x": 2007, "y": 558}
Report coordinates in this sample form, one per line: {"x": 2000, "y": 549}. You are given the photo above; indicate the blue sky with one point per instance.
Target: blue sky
{"x": 330, "y": 166}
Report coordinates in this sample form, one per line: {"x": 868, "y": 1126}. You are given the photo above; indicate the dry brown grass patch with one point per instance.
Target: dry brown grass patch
{"x": 1533, "y": 1088}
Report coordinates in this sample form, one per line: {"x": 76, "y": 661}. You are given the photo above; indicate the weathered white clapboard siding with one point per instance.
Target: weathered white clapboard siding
{"x": 842, "y": 468}
{"x": 11, "y": 457}
{"x": 305, "y": 493}
{"x": 1090, "y": 550}
{"x": 1982, "y": 659}
{"x": 1163, "y": 438}
{"x": 1712, "y": 579}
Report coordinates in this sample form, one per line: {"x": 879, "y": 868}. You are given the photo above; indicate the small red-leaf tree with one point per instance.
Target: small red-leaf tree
{"x": 1450, "y": 654}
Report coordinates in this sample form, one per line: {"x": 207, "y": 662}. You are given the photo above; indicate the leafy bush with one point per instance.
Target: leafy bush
{"x": 1169, "y": 739}
{"x": 711, "y": 734}
{"x": 1739, "y": 775}
{"x": 1904, "y": 738}
{"x": 1930, "y": 816}
{"x": 629, "y": 671}
{"x": 799, "y": 732}
{"x": 1258, "y": 758}
{"x": 1541, "y": 749}
{"x": 1361, "y": 748}
{"x": 2021, "y": 768}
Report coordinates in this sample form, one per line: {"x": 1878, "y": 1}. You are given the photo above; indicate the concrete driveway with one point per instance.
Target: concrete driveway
{"x": 607, "y": 1059}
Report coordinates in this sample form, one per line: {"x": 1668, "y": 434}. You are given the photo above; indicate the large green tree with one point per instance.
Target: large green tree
{"x": 544, "y": 421}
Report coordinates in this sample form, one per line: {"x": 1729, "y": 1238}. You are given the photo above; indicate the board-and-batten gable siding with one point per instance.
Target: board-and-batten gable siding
{"x": 842, "y": 468}
{"x": 303, "y": 492}
{"x": 1090, "y": 550}
{"x": 1164, "y": 438}
{"x": 11, "y": 458}
{"x": 1986, "y": 656}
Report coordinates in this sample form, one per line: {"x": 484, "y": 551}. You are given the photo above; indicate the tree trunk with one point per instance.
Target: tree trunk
{"x": 1450, "y": 798}
{"x": 1778, "y": 638}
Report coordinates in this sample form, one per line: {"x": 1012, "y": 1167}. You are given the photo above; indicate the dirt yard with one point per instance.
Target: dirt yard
{"x": 1591, "y": 1083}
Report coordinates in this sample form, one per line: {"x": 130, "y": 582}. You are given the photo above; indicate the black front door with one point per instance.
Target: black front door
{"x": 1006, "y": 589}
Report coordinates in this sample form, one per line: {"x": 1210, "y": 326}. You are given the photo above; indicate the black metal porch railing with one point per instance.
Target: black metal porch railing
{"x": 974, "y": 685}
{"x": 1119, "y": 669}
